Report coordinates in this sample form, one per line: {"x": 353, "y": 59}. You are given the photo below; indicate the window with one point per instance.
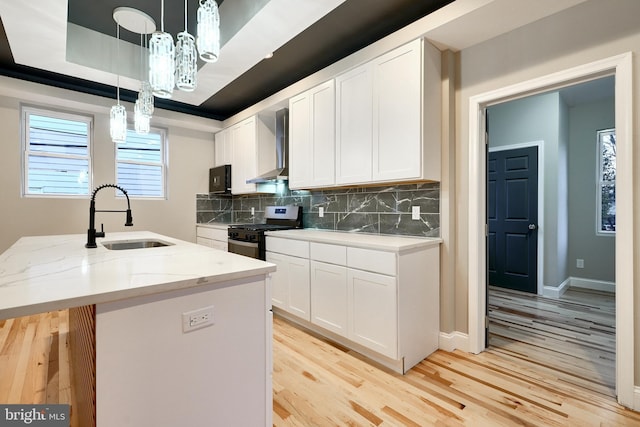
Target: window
{"x": 606, "y": 197}
{"x": 57, "y": 153}
{"x": 141, "y": 165}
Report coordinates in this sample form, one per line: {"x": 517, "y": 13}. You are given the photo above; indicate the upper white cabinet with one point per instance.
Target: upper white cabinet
{"x": 222, "y": 148}
{"x": 388, "y": 118}
{"x": 253, "y": 152}
{"x": 312, "y": 138}
{"x": 397, "y": 139}
{"x": 354, "y": 125}
{"x": 387, "y": 123}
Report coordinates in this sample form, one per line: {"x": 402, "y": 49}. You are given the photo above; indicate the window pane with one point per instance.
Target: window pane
{"x": 141, "y": 148}
{"x": 140, "y": 164}
{"x": 58, "y": 175}
{"x": 57, "y": 151}
{"x": 608, "y": 156}
{"x": 60, "y": 136}
{"x": 141, "y": 180}
{"x": 608, "y": 208}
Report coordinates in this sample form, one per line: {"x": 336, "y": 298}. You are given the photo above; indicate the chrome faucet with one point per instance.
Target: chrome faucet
{"x": 91, "y": 232}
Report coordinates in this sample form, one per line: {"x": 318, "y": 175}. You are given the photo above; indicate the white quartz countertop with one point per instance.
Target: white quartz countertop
{"x": 360, "y": 240}
{"x": 44, "y": 273}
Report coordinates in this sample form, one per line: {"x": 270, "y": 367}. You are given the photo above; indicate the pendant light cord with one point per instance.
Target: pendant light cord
{"x": 162, "y": 15}
{"x": 118, "y": 61}
{"x": 185, "y": 16}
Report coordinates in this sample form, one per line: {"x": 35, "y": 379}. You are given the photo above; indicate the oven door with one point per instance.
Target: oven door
{"x": 250, "y": 249}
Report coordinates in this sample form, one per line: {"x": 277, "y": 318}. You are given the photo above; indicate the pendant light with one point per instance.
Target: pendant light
{"x": 208, "y": 31}
{"x": 162, "y": 61}
{"x": 118, "y": 116}
{"x": 143, "y": 109}
{"x": 186, "y": 59}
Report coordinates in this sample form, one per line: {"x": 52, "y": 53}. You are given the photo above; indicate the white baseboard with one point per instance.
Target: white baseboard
{"x": 578, "y": 282}
{"x": 453, "y": 340}
{"x": 636, "y": 398}
{"x": 597, "y": 285}
{"x": 556, "y": 291}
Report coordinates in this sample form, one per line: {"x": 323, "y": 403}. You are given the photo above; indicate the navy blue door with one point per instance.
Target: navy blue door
{"x": 512, "y": 191}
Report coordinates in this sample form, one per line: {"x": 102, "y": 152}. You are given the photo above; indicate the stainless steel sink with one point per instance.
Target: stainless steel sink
{"x": 121, "y": 245}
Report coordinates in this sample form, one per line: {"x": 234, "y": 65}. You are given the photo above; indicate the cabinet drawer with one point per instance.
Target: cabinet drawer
{"x": 297, "y": 248}
{"x": 370, "y": 260}
{"x": 212, "y": 233}
{"x": 332, "y": 254}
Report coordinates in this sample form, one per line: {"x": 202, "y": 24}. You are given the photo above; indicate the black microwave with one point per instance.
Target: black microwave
{"x": 220, "y": 179}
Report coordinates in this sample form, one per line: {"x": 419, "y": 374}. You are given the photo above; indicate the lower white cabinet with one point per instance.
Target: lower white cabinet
{"x": 382, "y": 303}
{"x": 213, "y": 237}
{"x": 290, "y": 284}
{"x": 329, "y": 297}
{"x": 373, "y": 309}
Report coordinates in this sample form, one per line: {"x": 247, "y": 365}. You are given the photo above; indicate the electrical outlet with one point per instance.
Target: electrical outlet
{"x": 321, "y": 212}
{"x": 415, "y": 212}
{"x": 196, "y": 319}
{"x": 579, "y": 263}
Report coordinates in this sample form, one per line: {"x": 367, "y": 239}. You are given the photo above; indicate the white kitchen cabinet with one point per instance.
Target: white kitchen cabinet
{"x": 213, "y": 237}
{"x": 329, "y": 297}
{"x": 388, "y": 118}
{"x": 222, "y": 148}
{"x": 354, "y": 125}
{"x": 372, "y": 310}
{"x": 312, "y": 138}
{"x": 253, "y": 152}
{"x": 378, "y": 295}
{"x": 290, "y": 284}
{"x": 397, "y": 142}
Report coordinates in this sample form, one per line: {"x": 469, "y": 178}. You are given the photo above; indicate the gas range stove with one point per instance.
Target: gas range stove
{"x": 249, "y": 239}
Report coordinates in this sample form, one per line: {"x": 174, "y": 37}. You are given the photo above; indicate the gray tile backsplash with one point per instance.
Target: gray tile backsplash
{"x": 378, "y": 210}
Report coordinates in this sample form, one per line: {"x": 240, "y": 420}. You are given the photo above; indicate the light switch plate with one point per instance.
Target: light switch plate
{"x": 415, "y": 212}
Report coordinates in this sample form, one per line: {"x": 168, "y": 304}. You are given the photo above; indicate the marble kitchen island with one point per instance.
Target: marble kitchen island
{"x": 133, "y": 362}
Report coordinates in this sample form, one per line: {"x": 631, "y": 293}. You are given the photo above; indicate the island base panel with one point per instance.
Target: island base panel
{"x": 82, "y": 346}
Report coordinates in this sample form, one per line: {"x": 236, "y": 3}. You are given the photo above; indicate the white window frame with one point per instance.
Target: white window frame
{"x": 600, "y": 182}
{"x": 164, "y": 144}
{"x": 26, "y": 111}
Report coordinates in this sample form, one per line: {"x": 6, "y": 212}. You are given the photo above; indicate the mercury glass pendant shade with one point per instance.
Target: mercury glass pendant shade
{"x": 162, "y": 64}
{"x": 118, "y": 124}
{"x": 208, "y": 31}
{"x": 142, "y": 122}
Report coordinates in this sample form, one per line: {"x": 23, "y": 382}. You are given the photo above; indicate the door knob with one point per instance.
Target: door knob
{"x": 532, "y": 226}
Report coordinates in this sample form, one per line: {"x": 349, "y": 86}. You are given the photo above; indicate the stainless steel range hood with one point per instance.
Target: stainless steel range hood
{"x": 281, "y": 171}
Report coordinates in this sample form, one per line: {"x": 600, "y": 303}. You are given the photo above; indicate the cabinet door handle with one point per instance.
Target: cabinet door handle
{"x": 532, "y": 226}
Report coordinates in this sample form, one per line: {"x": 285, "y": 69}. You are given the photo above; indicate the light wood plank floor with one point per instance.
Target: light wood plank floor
{"x": 317, "y": 383}
{"x": 574, "y": 334}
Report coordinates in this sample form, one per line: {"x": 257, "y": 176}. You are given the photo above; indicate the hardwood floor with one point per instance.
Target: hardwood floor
{"x": 34, "y": 359}
{"x": 316, "y": 383}
{"x": 574, "y": 334}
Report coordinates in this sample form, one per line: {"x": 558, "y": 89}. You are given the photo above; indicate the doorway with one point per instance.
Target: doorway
{"x": 576, "y": 329}
{"x": 621, "y": 67}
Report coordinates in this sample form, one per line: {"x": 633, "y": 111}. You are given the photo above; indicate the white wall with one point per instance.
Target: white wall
{"x": 190, "y": 157}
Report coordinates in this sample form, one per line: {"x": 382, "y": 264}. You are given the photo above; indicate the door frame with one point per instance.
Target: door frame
{"x": 621, "y": 66}
{"x": 540, "y": 222}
